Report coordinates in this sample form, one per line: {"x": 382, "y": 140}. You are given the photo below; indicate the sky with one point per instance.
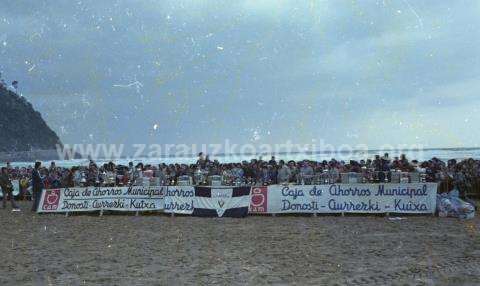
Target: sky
{"x": 253, "y": 71}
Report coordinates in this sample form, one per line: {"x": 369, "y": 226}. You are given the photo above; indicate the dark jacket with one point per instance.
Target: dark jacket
{"x": 5, "y": 183}
{"x": 37, "y": 183}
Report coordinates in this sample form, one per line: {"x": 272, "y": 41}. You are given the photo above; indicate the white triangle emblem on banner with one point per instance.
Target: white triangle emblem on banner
{"x": 221, "y": 198}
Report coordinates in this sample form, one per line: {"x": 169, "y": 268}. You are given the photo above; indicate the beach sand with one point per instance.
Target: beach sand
{"x": 52, "y": 249}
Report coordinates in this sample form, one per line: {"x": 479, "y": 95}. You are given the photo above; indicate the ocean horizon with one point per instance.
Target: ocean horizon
{"x": 416, "y": 154}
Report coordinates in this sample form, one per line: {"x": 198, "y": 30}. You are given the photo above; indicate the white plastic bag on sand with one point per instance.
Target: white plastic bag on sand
{"x": 463, "y": 209}
{"x": 444, "y": 206}
{"x": 449, "y": 204}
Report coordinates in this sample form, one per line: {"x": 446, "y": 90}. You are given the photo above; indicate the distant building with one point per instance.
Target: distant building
{"x": 2, "y": 82}
{"x": 14, "y": 87}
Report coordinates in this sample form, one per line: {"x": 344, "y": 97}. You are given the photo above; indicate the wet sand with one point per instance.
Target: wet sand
{"x": 52, "y": 249}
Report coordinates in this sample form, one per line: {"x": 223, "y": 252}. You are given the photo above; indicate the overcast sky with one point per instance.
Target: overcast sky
{"x": 357, "y": 72}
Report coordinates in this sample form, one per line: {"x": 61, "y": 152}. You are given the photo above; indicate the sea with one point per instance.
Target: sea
{"x": 420, "y": 155}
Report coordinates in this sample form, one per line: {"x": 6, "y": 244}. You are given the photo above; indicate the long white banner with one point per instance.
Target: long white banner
{"x": 336, "y": 198}
{"x": 180, "y": 199}
{"x": 345, "y": 198}
{"x": 93, "y": 199}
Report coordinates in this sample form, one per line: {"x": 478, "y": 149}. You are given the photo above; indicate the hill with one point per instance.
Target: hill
{"x": 24, "y": 135}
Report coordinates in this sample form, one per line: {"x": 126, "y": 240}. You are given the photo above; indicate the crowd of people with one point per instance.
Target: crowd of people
{"x": 463, "y": 175}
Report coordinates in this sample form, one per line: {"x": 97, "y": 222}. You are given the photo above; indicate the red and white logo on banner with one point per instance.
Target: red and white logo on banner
{"x": 258, "y": 202}
{"x": 51, "y": 200}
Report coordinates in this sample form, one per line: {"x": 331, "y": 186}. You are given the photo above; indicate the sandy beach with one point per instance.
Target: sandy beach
{"x": 160, "y": 250}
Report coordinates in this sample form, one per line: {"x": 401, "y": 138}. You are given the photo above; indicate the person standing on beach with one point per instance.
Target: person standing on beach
{"x": 284, "y": 173}
{"x": 37, "y": 186}
{"x": 7, "y": 189}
